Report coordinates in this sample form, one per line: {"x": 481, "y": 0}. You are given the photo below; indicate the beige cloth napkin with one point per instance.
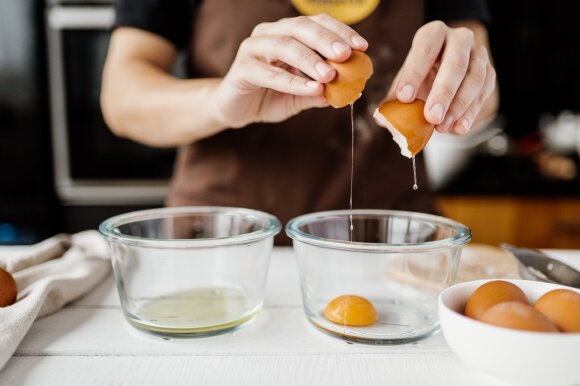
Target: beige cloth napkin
{"x": 49, "y": 275}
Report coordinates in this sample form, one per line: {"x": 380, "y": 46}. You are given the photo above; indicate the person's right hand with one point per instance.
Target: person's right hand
{"x": 279, "y": 70}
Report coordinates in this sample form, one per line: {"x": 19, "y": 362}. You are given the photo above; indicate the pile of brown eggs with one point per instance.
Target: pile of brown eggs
{"x": 504, "y": 304}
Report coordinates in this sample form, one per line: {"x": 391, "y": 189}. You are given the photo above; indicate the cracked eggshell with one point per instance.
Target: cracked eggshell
{"x": 350, "y": 80}
{"x": 406, "y": 123}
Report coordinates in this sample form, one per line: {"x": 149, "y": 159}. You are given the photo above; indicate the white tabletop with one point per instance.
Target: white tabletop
{"x": 89, "y": 343}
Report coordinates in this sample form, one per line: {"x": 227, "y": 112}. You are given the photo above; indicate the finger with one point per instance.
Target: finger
{"x": 293, "y": 105}
{"x": 425, "y": 50}
{"x": 454, "y": 65}
{"x": 349, "y": 35}
{"x": 423, "y": 91}
{"x": 470, "y": 88}
{"x": 310, "y": 33}
{"x": 273, "y": 49}
{"x": 465, "y": 122}
{"x": 294, "y": 70}
{"x": 302, "y": 103}
{"x": 259, "y": 74}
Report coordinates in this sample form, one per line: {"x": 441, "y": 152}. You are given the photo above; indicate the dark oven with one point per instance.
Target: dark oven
{"x": 92, "y": 166}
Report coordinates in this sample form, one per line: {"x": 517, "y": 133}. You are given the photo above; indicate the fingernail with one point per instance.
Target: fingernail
{"x": 465, "y": 123}
{"x": 312, "y": 84}
{"x": 358, "y": 41}
{"x": 447, "y": 122}
{"x": 437, "y": 111}
{"x": 406, "y": 92}
{"x": 463, "y": 127}
{"x": 339, "y": 48}
{"x": 322, "y": 68}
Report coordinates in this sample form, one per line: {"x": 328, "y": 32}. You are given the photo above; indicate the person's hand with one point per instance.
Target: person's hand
{"x": 451, "y": 72}
{"x": 279, "y": 70}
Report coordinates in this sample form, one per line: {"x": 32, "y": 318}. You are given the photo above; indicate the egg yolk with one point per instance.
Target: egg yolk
{"x": 351, "y": 310}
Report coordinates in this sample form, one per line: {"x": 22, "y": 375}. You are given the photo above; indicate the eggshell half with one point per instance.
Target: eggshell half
{"x": 406, "y": 123}
{"x": 350, "y": 80}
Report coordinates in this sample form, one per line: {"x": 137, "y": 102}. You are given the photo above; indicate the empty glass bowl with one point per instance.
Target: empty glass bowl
{"x": 190, "y": 271}
{"x": 398, "y": 261}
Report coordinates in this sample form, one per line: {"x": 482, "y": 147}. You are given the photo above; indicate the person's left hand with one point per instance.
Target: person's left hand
{"x": 451, "y": 72}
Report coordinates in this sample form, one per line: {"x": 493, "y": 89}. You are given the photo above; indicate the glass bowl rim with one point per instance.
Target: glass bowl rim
{"x": 462, "y": 237}
{"x": 109, "y": 227}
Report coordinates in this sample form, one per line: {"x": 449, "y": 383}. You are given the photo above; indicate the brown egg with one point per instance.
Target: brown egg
{"x": 562, "y": 307}
{"x": 490, "y": 294}
{"x": 7, "y": 289}
{"x": 349, "y": 82}
{"x": 518, "y": 316}
{"x": 351, "y": 310}
{"x": 407, "y": 124}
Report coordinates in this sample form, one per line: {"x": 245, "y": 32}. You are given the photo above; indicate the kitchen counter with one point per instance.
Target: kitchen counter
{"x": 89, "y": 343}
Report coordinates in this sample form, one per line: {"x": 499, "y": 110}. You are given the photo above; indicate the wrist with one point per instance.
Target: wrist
{"x": 216, "y": 116}
{"x": 231, "y": 107}
{"x": 204, "y": 116}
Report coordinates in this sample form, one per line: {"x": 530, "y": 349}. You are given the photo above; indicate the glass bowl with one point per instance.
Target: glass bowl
{"x": 190, "y": 271}
{"x": 399, "y": 261}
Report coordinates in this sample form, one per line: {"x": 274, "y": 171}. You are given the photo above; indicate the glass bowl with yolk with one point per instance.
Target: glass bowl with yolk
{"x": 381, "y": 285}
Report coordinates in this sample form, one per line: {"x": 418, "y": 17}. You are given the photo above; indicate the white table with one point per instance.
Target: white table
{"x": 89, "y": 343}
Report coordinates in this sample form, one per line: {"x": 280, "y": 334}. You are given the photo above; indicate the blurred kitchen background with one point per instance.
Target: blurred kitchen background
{"x": 61, "y": 170}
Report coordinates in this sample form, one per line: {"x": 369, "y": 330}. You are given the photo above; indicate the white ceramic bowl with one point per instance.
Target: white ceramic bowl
{"x": 520, "y": 357}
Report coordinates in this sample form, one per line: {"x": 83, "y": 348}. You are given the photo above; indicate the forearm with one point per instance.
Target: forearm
{"x": 147, "y": 105}
{"x": 142, "y": 101}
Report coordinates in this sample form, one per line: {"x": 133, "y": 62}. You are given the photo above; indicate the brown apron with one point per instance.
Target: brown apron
{"x": 303, "y": 164}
